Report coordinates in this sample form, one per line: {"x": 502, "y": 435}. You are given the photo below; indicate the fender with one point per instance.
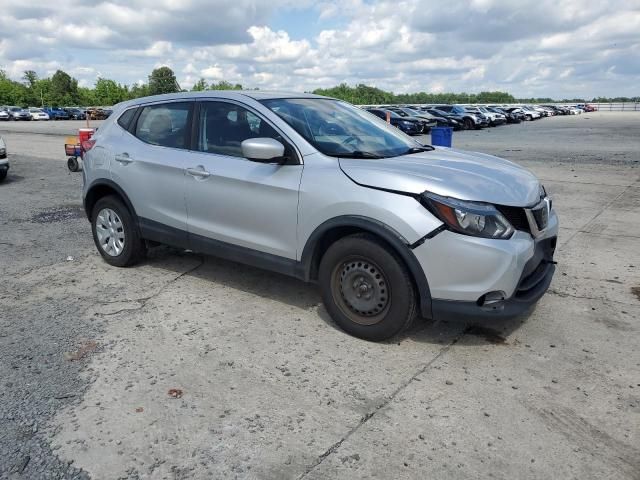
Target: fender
{"x": 104, "y": 182}
{"x": 399, "y": 243}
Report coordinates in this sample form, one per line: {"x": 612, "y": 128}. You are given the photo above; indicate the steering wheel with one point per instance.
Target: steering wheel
{"x": 349, "y": 139}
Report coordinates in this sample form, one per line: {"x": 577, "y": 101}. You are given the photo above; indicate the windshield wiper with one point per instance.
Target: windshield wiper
{"x": 358, "y": 154}
{"x": 425, "y": 148}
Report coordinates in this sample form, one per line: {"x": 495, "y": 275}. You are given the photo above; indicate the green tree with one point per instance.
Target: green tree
{"x": 224, "y": 85}
{"x": 139, "y": 90}
{"x": 108, "y": 92}
{"x": 200, "y": 86}
{"x": 30, "y": 77}
{"x": 163, "y": 80}
{"x": 64, "y": 89}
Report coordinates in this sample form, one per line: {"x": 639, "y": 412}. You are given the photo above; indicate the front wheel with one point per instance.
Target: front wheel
{"x": 366, "y": 288}
{"x": 115, "y": 233}
{"x": 468, "y": 124}
{"x": 3, "y": 175}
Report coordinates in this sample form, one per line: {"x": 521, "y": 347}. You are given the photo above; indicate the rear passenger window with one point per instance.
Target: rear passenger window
{"x": 164, "y": 124}
{"x": 125, "y": 119}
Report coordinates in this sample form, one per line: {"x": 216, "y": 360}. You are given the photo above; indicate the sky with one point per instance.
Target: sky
{"x": 539, "y": 48}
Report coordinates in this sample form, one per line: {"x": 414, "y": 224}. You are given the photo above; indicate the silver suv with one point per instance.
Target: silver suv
{"x": 318, "y": 189}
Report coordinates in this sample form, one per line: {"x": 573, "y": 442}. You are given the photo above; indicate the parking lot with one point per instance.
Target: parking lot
{"x": 193, "y": 367}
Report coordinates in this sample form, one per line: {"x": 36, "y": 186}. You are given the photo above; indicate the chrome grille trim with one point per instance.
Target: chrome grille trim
{"x": 538, "y": 226}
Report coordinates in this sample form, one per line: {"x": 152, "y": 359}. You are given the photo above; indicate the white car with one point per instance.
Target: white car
{"x": 530, "y": 112}
{"x": 38, "y": 114}
{"x": 4, "y": 115}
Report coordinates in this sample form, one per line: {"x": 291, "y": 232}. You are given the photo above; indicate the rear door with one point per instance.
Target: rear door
{"x": 235, "y": 200}
{"x": 149, "y": 164}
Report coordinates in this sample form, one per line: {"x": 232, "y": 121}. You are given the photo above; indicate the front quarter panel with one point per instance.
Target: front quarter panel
{"x": 327, "y": 193}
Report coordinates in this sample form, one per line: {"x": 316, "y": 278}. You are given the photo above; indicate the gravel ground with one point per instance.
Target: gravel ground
{"x": 263, "y": 385}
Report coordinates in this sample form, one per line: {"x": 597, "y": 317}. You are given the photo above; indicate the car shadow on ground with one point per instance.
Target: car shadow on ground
{"x": 12, "y": 179}
{"x": 296, "y": 293}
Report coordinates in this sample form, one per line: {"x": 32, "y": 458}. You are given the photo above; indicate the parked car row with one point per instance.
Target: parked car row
{"x": 53, "y": 113}
{"x": 419, "y": 119}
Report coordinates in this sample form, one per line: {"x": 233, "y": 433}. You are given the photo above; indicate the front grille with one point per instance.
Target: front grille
{"x": 516, "y": 217}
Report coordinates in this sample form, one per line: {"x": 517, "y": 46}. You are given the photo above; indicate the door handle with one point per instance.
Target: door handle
{"x": 123, "y": 158}
{"x": 198, "y": 171}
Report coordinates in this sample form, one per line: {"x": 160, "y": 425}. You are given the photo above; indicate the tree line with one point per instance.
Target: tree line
{"x": 62, "y": 90}
{"x": 365, "y": 95}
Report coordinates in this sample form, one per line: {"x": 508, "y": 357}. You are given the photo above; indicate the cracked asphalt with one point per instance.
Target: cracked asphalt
{"x": 263, "y": 385}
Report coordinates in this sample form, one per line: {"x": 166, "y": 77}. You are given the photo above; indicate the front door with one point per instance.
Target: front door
{"x": 235, "y": 200}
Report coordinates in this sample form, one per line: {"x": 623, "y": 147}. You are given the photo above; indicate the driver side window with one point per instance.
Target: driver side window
{"x": 224, "y": 126}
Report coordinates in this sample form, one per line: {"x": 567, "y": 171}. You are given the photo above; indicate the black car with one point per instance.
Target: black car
{"x": 512, "y": 117}
{"x": 75, "y": 113}
{"x": 439, "y": 119}
{"x": 407, "y": 125}
{"x": 517, "y": 112}
{"x": 470, "y": 120}
{"x": 449, "y": 115}
{"x": 558, "y": 110}
{"x": 406, "y": 113}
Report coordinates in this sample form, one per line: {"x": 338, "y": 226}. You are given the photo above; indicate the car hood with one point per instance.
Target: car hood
{"x": 451, "y": 173}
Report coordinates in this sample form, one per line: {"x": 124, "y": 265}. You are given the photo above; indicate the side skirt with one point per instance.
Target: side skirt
{"x": 155, "y": 231}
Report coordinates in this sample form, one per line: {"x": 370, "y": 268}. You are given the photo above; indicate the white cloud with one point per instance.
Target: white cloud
{"x": 531, "y": 47}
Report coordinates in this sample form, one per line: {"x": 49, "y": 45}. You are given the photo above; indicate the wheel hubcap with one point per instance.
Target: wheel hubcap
{"x": 363, "y": 293}
{"x": 110, "y": 232}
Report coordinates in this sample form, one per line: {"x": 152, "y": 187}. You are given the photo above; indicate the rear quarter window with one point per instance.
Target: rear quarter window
{"x": 125, "y": 119}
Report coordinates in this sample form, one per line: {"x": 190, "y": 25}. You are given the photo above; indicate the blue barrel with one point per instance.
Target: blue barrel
{"x": 441, "y": 136}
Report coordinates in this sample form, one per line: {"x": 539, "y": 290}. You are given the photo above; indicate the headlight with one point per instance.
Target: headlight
{"x": 542, "y": 191}
{"x": 469, "y": 218}
{"x": 407, "y": 124}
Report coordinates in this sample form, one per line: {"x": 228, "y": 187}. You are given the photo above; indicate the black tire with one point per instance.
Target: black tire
{"x": 468, "y": 124}
{"x": 134, "y": 248}
{"x": 3, "y": 175}
{"x": 389, "y": 292}
{"x": 72, "y": 164}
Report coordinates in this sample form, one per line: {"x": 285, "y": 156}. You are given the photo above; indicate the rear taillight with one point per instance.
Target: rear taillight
{"x": 88, "y": 144}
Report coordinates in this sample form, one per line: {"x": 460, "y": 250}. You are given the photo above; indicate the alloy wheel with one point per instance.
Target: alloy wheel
{"x": 110, "y": 232}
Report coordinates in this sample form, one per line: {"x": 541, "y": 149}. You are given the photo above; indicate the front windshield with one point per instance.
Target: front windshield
{"x": 457, "y": 109}
{"x": 339, "y": 129}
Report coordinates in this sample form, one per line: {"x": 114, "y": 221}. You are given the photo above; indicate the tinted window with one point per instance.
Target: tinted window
{"x": 125, "y": 119}
{"x": 338, "y": 129}
{"x": 164, "y": 124}
{"x": 224, "y": 126}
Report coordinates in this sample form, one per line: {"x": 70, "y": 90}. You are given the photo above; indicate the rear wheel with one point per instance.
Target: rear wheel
{"x": 366, "y": 288}
{"x": 115, "y": 233}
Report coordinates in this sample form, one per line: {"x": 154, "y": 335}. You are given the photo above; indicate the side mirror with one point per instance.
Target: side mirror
{"x": 266, "y": 150}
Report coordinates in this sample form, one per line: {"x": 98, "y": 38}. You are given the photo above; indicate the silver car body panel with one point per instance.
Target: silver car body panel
{"x": 450, "y": 173}
{"x": 462, "y": 268}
